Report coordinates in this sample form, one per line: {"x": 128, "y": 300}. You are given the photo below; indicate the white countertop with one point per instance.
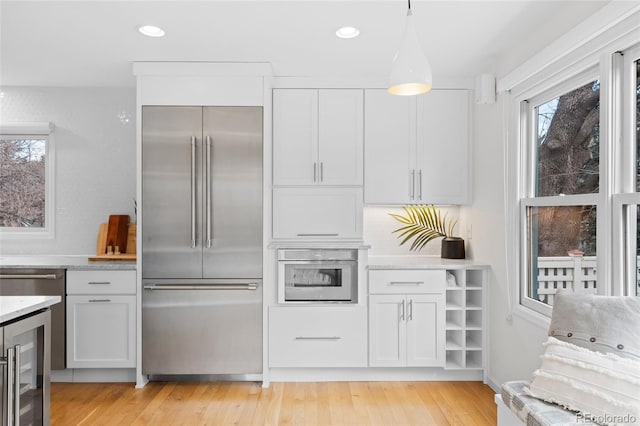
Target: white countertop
{"x": 422, "y": 262}
{"x": 12, "y": 307}
{"x": 61, "y": 261}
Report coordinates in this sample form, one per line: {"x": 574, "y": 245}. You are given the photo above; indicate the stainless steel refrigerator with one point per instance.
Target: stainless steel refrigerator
{"x": 201, "y": 240}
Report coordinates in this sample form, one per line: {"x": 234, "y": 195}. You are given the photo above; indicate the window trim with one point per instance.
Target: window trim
{"x": 35, "y": 130}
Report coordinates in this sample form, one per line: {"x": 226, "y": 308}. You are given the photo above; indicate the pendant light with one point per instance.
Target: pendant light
{"x": 410, "y": 71}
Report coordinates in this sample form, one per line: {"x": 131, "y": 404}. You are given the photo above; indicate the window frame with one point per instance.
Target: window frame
{"x": 528, "y": 141}
{"x": 43, "y": 131}
{"x": 627, "y": 196}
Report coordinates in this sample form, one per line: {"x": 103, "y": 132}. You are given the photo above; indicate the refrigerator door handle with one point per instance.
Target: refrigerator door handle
{"x": 10, "y": 379}
{"x": 193, "y": 192}
{"x": 207, "y": 188}
{"x": 243, "y": 286}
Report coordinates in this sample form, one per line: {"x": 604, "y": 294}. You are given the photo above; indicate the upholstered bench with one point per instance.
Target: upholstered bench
{"x": 517, "y": 408}
{"x": 590, "y": 369}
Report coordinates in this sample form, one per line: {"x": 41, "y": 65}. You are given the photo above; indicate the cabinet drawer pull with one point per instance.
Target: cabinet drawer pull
{"x": 406, "y": 282}
{"x": 99, "y": 282}
{"x": 318, "y": 235}
{"x": 99, "y": 300}
{"x": 317, "y": 338}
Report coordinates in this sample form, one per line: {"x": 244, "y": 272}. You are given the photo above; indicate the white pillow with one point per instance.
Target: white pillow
{"x": 601, "y": 387}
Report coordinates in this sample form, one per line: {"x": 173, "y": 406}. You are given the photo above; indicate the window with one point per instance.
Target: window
{"x": 26, "y": 180}
{"x": 574, "y": 177}
{"x": 562, "y": 133}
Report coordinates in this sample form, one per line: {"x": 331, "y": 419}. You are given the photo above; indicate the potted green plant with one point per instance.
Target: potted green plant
{"x": 424, "y": 223}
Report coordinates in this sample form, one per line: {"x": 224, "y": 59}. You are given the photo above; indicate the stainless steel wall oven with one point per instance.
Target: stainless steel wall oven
{"x": 318, "y": 275}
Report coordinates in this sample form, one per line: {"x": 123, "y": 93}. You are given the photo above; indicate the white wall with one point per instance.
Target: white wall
{"x": 514, "y": 344}
{"x": 94, "y": 160}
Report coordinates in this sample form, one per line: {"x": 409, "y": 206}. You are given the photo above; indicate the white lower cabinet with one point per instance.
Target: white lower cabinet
{"x": 406, "y": 330}
{"x": 101, "y": 320}
{"x": 406, "y": 318}
{"x": 317, "y": 336}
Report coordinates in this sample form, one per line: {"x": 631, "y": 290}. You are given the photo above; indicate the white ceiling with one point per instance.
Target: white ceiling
{"x": 93, "y": 43}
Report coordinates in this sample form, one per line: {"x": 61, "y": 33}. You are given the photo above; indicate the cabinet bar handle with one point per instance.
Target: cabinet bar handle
{"x": 315, "y": 171}
{"x": 99, "y": 300}
{"x": 193, "y": 192}
{"x": 99, "y": 282}
{"x": 406, "y": 282}
{"x": 420, "y": 184}
{"x": 317, "y": 338}
{"x": 322, "y": 171}
{"x": 318, "y": 235}
{"x": 402, "y": 311}
{"x": 410, "y": 309}
{"x": 412, "y": 175}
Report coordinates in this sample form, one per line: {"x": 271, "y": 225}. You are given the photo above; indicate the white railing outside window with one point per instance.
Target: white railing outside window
{"x": 577, "y": 273}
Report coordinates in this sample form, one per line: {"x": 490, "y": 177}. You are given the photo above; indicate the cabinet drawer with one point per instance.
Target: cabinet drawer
{"x": 101, "y": 282}
{"x": 317, "y": 337}
{"x": 410, "y": 281}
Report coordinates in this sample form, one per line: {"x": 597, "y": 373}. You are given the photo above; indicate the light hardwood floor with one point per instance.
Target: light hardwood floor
{"x": 247, "y": 403}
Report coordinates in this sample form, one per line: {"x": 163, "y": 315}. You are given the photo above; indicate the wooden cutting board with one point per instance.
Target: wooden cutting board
{"x": 117, "y": 231}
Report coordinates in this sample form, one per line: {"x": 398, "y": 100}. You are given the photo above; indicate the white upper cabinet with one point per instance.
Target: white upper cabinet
{"x": 417, "y": 148}
{"x": 317, "y": 137}
{"x": 443, "y": 147}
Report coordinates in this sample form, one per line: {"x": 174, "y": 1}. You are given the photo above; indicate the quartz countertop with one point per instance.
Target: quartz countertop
{"x": 79, "y": 262}
{"x": 422, "y": 262}
{"x": 12, "y": 307}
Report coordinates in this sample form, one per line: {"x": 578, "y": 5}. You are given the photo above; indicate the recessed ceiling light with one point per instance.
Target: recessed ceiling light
{"x": 151, "y": 31}
{"x": 348, "y": 32}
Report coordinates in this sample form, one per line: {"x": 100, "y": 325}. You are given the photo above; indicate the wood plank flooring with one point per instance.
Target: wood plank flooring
{"x": 247, "y": 403}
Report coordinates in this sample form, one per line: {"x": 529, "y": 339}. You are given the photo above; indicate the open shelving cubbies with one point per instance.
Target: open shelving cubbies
{"x": 465, "y": 318}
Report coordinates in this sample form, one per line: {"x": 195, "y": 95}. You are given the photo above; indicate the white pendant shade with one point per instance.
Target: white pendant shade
{"x": 410, "y": 71}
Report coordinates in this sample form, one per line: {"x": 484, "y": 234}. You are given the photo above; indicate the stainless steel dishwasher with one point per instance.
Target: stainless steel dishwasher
{"x": 41, "y": 282}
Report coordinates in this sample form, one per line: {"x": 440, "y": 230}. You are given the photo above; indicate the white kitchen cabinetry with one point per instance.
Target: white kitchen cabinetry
{"x": 417, "y": 149}
{"x": 317, "y": 137}
{"x": 406, "y": 318}
{"x": 334, "y": 213}
{"x": 465, "y": 318}
{"x": 101, "y": 320}
{"x": 317, "y": 336}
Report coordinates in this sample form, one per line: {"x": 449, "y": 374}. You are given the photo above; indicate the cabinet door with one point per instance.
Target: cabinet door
{"x": 295, "y": 137}
{"x": 101, "y": 331}
{"x": 443, "y": 147}
{"x": 340, "y": 139}
{"x": 387, "y": 331}
{"x": 425, "y": 331}
{"x": 317, "y": 213}
{"x": 390, "y": 144}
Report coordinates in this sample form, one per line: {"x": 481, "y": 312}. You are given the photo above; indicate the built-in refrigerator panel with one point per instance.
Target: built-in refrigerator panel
{"x": 234, "y": 224}
{"x": 171, "y": 152}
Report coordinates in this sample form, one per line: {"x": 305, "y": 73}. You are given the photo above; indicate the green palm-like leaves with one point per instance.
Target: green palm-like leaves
{"x": 424, "y": 223}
